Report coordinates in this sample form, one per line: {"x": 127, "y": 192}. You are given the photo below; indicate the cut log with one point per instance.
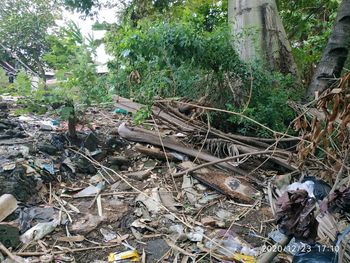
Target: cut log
{"x": 169, "y": 115}
{"x": 133, "y": 107}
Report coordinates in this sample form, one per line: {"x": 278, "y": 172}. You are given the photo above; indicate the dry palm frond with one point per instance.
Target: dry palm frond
{"x": 329, "y": 128}
{"x": 328, "y": 230}
{"x": 221, "y": 148}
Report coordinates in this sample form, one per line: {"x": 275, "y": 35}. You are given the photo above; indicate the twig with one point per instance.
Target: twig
{"x": 267, "y": 159}
{"x": 341, "y": 171}
{"x": 95, "y": 198}
{"x": 247, "y": 211}
{"x": 104, "y": 178}
{"x": 270, "y": 198}
{"x": 62, "y": 206}
{"x": 113, "y": 193}
{"x": 68, "y": 250}
{"x": 166, "y": 254}
{"x": 239, "y": 204}
{"x": 177, "y": 248}
{"x": 237, "y": 114}
{"x": 250, "y": 91}
{"x": 50, "y": 193}
{"x": 9, "y": 254}
{"x": 205, "y": 139}
{"x": 261, "y": 125}
{"x": 205, "y": 207}
{"x": 166, "y": 156}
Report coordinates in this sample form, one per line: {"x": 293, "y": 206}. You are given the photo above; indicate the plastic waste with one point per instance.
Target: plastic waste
{"x": 58, "y": 141}
{"x": 8, "y": 204}
{"x": 315, "y": 188}
{"x": 130, "y": 255}
{"x": 120, "y": 111}
{"x": 229, "y": 245}
{"x": 196, "y": 235}
{"x": 9, "y": 166}
{"x": 177, "y": 232}
{"x": 91, "y": 190}
{"x": 179, "y": 156}
{"x": 49, "y": 167}
{"x": 39, "y": 231}
{"x": 308, "y": 186}
{"x": 39, "y": 214}
{"x": 45, "y": 165}
{"x": 316, "y": 254}
{"x": 55, "y": 122}
{"x": 244, "y": 258}
{"x": 108, "y": 234}
{"x": 293, "y": 246}
{"x": 321, "y": 188}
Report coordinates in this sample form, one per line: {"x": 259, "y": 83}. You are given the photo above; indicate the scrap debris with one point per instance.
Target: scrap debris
{"x": 295, "y": 215}
{"x": 171, "y": 190}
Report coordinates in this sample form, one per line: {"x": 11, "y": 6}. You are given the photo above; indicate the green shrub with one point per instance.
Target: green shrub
{"x": 172, "y": 59}
{"x": 4, "y": 81}
{"x": 178, "y": 58}
{"x": 268, "y": 104}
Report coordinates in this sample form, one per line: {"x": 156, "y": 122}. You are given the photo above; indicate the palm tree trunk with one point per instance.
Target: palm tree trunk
{"x": 335, "y": 53}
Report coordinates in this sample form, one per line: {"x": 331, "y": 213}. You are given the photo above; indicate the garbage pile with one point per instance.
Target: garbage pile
{"x": 173, "y": 189}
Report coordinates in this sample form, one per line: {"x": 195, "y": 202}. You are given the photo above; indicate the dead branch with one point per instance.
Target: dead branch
{"x": 227, "y": 159}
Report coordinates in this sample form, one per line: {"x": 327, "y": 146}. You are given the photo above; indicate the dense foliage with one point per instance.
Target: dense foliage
{"x": 24, "y": 27}
{"x": 191, "y": 55}
{"x": 71, "y": 56}
{"x": 309, "y": 24}
{"x": 77, "y": 83}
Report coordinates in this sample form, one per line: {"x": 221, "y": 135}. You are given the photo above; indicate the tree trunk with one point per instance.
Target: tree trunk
{"x": 72, "y": 121}
{"x": 42, "y": 74}
{"x": 260, "y": 34}
{"x": 335, "y": 54}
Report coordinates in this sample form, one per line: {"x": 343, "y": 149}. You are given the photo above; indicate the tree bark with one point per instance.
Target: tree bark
{"x": 72, "y": 121}
{"x": 335, "y": 53}
{"x": 260, "y": 34}
{"x": 72, "y": 132}
{"x": 42, "y": 74}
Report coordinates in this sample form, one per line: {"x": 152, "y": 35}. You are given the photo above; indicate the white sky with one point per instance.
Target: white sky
{"x": 104, "y": 15}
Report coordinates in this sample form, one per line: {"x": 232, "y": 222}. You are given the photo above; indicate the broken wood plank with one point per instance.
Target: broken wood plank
{"x": 235, "y": 187}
